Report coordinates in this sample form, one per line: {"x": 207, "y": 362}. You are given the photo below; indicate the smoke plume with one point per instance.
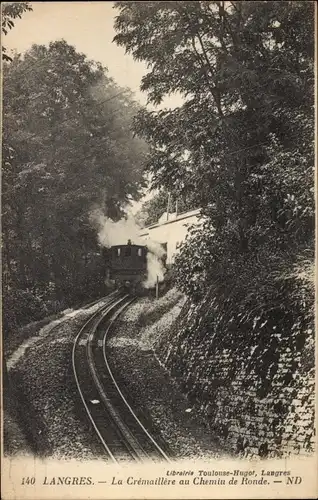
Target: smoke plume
{"x": 118, "y": 233}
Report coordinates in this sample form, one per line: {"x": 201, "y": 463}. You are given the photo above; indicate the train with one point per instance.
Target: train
{"x": 126, "y": 266}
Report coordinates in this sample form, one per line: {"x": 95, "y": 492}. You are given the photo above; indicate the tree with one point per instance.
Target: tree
{"x": 242, "y": 142}
{"x": 162, "y": 201}
{"x": 68, "y": 147}
{"x": 11, "y": 11}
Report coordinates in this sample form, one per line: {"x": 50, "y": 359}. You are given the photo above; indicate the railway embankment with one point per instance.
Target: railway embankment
{"x": 250, "y": 376}
{"x": 43, "y": 391}
{"x": 154, "y": 395}
{"x": 204, "y": 389}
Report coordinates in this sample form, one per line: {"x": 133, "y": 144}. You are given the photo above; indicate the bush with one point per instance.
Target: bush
{"x": 21, "y": 307}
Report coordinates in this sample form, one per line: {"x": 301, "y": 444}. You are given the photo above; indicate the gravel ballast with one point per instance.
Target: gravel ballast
{"x": 152, "y": 393}
{"x": 49, "y": 420}
{"x": 50, "y": 414}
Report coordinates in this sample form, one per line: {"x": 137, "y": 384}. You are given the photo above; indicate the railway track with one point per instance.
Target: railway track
{"x": 123, "y": 436}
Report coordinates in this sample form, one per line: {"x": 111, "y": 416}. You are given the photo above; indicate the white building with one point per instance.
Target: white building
{"x": 171, "y": 229}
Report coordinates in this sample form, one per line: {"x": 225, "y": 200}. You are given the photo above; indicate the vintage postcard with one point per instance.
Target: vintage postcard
{"x": 158, "y": 250}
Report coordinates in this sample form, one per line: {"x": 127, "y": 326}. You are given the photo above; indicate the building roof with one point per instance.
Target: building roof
{"x": 181, "y": 216}
{"x": 125, "y": 245}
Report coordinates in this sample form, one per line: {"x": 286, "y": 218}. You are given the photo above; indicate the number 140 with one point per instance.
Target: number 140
{"x": 28, "y": 480}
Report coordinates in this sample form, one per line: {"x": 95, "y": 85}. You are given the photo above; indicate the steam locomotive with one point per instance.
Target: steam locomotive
{"x": 126, "y": 266}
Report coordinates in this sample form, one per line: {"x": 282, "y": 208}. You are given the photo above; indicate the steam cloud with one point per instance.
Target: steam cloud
{"x": 118, "y": 233}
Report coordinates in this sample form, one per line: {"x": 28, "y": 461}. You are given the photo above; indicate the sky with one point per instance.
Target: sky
{"x": 89, "y": 27}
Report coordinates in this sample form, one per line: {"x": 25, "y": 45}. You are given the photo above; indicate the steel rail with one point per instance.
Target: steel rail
{"x": 112, "y": 297}
{"x": 158, "y": 448}
{"x": 131, "y": 444}
{"x": 126, "y": 437}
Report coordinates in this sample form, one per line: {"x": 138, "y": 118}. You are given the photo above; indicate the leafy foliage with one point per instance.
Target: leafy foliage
{"x": 68, "y": 146}
{"x": 162, "y": 201}
{"x": 242, "y": 145}
{"x": 10, "y": 12}
{"x": 242, "y": 142}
